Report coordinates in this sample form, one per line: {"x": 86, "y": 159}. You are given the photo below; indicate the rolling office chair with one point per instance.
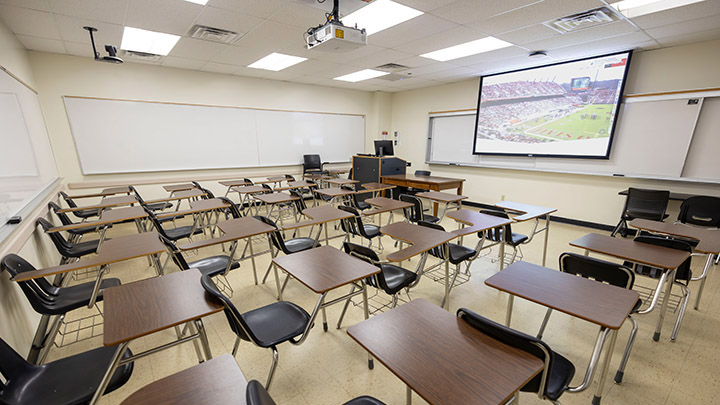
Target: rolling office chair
{"x": 416, "y": 213}
{"x": 505, "y": 235}
{"x": 391, "y": 278}
{"x": 606, "y": 273}
{"x": 557, "y": 372}
{"x": 266, "y": 326}
{"x": 70, "y": 380}
{"x": 256, "y": 394}
{"x": 75, "y": 234}
{"x": 82, "y": 214}
{"x": 49, "y": 301}
{"x": 313, "y": 165}
{"x": 641, "y": 203}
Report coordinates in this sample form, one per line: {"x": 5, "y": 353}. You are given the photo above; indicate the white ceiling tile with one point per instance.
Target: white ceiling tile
{"x": 528, "y": 34}
{"x": 250, "y": 72}
{"x": 228, "y": 20}
{"x": 79, "y": 49}
{"x": 198, "y": 49}
{"x": 270, "y": 36}
{"x": 344, "y": 57}
{"x": 600, "y": 46}
{"x": 450, "y": 73}
{"x": 41, "y": 5}
{"x": 29, "y": 22}
{"x": 110, "y": 11}
{"x": 424, "y": 5}
{"x": 411, "y": 30}
{"x": 261, "y": 9}
{"x": 240, "y": 55}
{"x": 678, "y": 14}
{"x": 71, "y": 29}
{"x": 312, "y": 67}
{"x": 691, "y": 38}
{"x": 168, "y": 16}
{"x": 532, "y": 14}
{"x": 309, "y": 79}
{"x": 299, "y": 15}
{"x": 416, "y": 61}
{"x": 684, "y": 28}
{"x": 219, "y": 68}
{"x": 432, "y": 68}
{"x": 282, "y": 75}
{"x": 42, "y": 44}
{"x": 498, "y": 54}
{"x": 465, "y": 11}
{"x": 605, "y": 31}
{"x": 182, "y": 63}
{"x": 454, "y": 36}
{"x": 380, "y": 58}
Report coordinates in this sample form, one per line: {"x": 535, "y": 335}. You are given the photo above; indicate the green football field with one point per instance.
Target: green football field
{"x": 591, "y": 122}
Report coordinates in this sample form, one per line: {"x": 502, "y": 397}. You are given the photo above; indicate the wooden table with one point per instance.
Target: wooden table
{"x": 602, "y": 304}
{"x": 172, "y": 188}
{"x": 433, "y": 183}
{"x": 104, "y": 193}
{"x": 444, "y": 198}
{"x": 144, "y": 307}
{"x": 527, "y": 212}
{"x": 421, "y": 240}
{"x": 105, "y": 203}
{"x": 656, "y": 256}
{"x": 322, "y": 270}
{"x": 442, "y": 358}
{"x": 234, "y": 230}
{"x": 708, "y": 243}
{"x": 216, "y": 381}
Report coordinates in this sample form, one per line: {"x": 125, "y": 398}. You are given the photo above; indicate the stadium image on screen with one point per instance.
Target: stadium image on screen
{"x": 562, "y": 110}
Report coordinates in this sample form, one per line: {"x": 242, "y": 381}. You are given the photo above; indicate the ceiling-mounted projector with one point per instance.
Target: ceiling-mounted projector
{"x": 333, "y": 36}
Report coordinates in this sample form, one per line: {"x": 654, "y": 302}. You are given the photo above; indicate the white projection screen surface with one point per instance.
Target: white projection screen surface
{"x": 562, "y": 110}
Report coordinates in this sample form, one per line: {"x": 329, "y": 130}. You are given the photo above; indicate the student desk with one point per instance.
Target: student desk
{"x": 320, "y": 215}
{"x": 384, "y": 204}
{"x": 643, "y": 253}
{"x": 273, "y": 199}
{"x": 708, "y": 242}
{"x": 244, "y": 194}
{"x": 334, "y": 193}
{"x": 234, "y": 230}
{"x": 105, "y": 203}
{"x": 337, "y": 172}
{"x": 172, "y": 188}
{"x": 108, "y": 218}
{"x": 104, "y": 193}
{"x": 474, "y": 222}
{"x": 138, "y": 309}
{"x": 445, "y": 198}
{"x": 294, "y": 185}
{"x": 375, "y": 188}
{"x": 234, "y": 183}
{"x": 433, "y": 183}
{"x": 442, "y": 358}
{"x": 602, "y": 304}
{"x": 216, "y": 381}
{"x": 421, "y": 240}
{"x": 202, "y": 211}
{"x": 322, "y": 270}
{"x": 342, "y": 182}
{"x": 528, "y": 212}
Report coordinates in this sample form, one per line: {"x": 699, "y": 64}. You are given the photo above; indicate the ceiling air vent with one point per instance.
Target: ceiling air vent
{"x": 392, "y": 67}
{"x": 393, "y": 77}
{"x": 581, "y": 21}
{"x": 141, "y": 56}
{"x": 213, "y": 34}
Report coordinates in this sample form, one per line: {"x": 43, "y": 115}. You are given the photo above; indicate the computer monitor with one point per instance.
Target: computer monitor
{"x": 384, "y": 148}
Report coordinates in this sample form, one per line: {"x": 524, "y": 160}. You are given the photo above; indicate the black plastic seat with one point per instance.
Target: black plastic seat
{"x": 233, "y": 210}
{"x": 71, "y": 380}
{"x": 287, "y": 246}
{"x": 66, "y": 248}
{"x": 174, "y": 234}
{"x": 645, "y": 204}
{"x": 356, "y": 226}
{"x": 256, "y": 394}
{"x": 82, "y": 214}
{"x": 65, "y": 220}
{"x": 159, "y": 206}
{"x": 266, "y": 326}
{"x": 212, "y": 266}
{"x": 701, "y": 211}
{"x": 603, "y": 272}
{"x": 416, "y": 213}
{"x": 504, "y": 234}
{"x": 558, "y": 370}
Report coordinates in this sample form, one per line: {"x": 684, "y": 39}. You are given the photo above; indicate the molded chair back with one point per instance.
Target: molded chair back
{"x": 64, "y": 219}
{"x": 415, "y": 213}
{"x": 701, "y": 211}
{"x": 311, "y": 163}
{"x": 647, "y": 204}
{"x": 69, "y": 201}
{"x": 683, "y": 271}
{"x": 256, "y": 394}
{"x": 233, "y": 209}
{"x": 300, "y": 205}
{"x": 596, "y": 269}
{"x": 275, "y": 236}
{"x": 63, "y": 245}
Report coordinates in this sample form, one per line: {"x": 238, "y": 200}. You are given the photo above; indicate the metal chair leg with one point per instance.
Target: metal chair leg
{"x": 345, "y": 307}
{"x": 544, "y": 323}
{"x": 50, "y": 338}
{"x": 621, "y": 370}
{"x": 272, "y": 368}
{"x": 236, "y": 346}
{"x": 681, "y": 314}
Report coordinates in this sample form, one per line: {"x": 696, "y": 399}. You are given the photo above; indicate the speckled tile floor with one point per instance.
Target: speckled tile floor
{"x": 330, "y": 368}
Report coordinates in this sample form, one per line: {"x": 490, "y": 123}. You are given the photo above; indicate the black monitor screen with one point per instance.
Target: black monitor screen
{"x": 384, "y": 148}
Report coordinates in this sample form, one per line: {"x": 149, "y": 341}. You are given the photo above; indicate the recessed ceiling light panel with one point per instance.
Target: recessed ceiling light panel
{"x": 380, "y": 15}
{"x": 202, "y": 2}
{"x": 361, "y": 75}
{"x": 486, "y": 44}
{"x": 277, "y": 61}
{"x": 139, "y": 40}
{"x": 636, "y": 8}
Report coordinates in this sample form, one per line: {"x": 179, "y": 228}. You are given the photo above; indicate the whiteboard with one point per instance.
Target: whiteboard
{"x": 122, "y": 136}
{"x": 653, "y": 138}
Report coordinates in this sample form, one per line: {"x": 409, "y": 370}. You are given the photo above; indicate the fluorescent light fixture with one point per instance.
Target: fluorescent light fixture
{"x": 379, "y": 15}
{"x": 139, "y": 40}
{"x": 636, "y": 8}
{"x": 486, "y": 44}
{"x": 276, "y": 61}
{"x": 203, "y": 2}
{"x": 361, "y": 75}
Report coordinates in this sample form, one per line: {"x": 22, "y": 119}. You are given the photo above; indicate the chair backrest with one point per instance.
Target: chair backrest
{"x": 519, "y": 340}
{"x": 683, "y": 271}
{"x": 422, "y": 172}
{"x": 701, "y": 211}
{"x": 234, "y": 317}
{"x": 208, "y": 194}
{"x": 63, "y": 216}
{"x": 648, "y": 204}
{"x": 596, "y": 269}
{"x": 290, "y": 177}
{"x": 351, "y": 225}
{"x": 498, "y": 234}
{"x": 437, "y": 251}
{"x": 415, "y": 213}
{"x": 368, "y": 255}
{"x": 248, "y": 181}
{"x": 155, "y": 222}
{"x": 300, "y": 202}
{"x": 256, "y": 394}
{"x": 233, "y": 208}
{"x": 267, "y": 188}
{"x": 311, "y": 162}
{"x": 69, "y": 201}
{"x": 61, "y": 244}
{"x": 350, "y": 174}
{"x": 275, "y": 236}
{"x": 137, "y": 195}
{"x": 175, "y": 253}
{"x": 196, "y": 184}
{"x": 39, "y": 291}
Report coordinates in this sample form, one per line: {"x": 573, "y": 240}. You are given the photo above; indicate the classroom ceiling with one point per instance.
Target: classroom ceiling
{"x": 270, "y": 26}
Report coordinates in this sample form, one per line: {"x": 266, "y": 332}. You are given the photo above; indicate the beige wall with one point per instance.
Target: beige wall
{"x": 588, "y": 198}
{"x": 13, "y": 56}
